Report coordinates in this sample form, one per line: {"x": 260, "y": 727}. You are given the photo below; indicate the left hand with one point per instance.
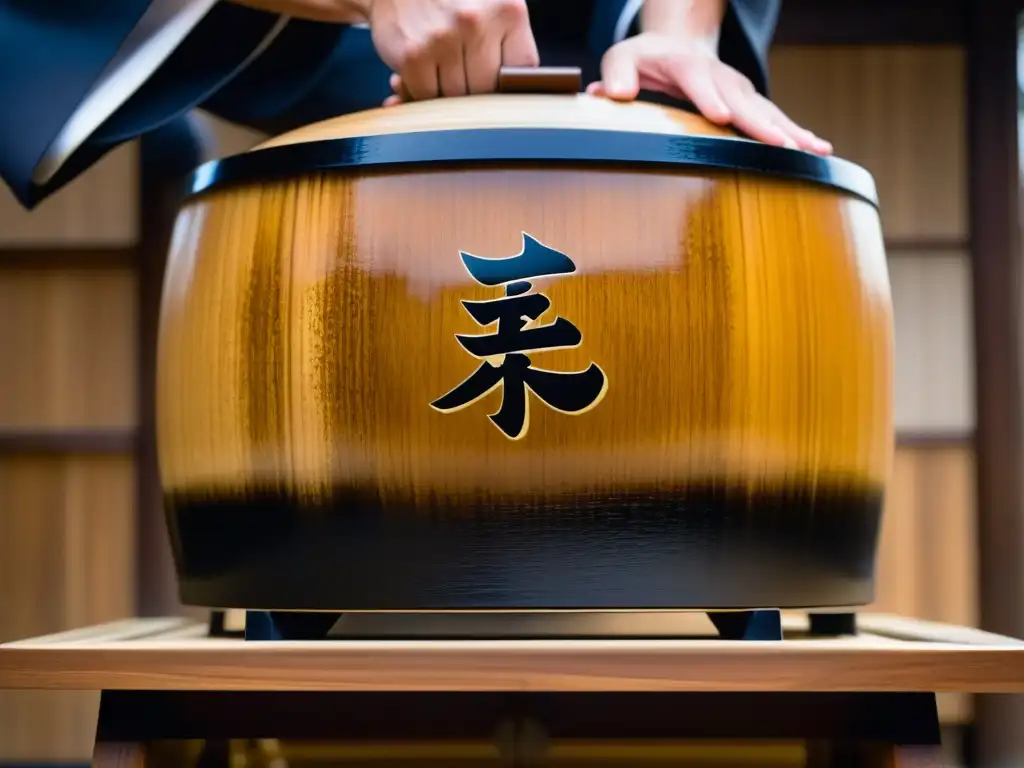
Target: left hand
{"x": 691, "y": 70}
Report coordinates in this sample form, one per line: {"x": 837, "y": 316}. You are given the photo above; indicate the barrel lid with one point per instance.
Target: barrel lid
{"x": 557, "y": 124}
{"x": 575, "y": 112}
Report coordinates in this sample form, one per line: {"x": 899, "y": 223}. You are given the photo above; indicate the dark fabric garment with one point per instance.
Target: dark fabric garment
{"x": 52, "y": 51}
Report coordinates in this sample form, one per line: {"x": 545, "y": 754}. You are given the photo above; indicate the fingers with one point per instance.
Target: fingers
{"x": 620, "y": 77}
{"x": 804, "y": 138}
{"x": 518, "y": 46}
{"x": 696, "y": 81}
{"x": 419, "y": 74}
{"x": 450, "y": 47}
{"x": 451, "y": 70}
{"x": 399, "y": 93}
{"x": 749, "y": 115}
{"x": 690, "y": 72}
{"x": 760, "y": 119}
{"x": 481, "y": 55}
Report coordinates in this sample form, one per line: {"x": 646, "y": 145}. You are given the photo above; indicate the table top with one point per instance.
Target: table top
{"x": 889, "y": 653}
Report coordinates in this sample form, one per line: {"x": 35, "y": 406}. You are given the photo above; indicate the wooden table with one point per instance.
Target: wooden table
{"x": 466, "y": 702}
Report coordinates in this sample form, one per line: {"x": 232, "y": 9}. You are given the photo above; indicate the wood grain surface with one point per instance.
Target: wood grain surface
{"x": 317, "y": 332}
{"x": 174, "y": 654}
{"x": 506, "y": 110}
{"x": 743, "y": 325}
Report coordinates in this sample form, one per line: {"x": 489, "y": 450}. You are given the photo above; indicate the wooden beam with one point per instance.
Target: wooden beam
{"x": 938, "y": 245}
{"x": 871, "y": 22}
{"x": 64, "y": 442}
{"x": 164, "y": 157}
{"x": 945, "y": 439}
{"x": 993, "y": 195}
{"x": 63, "y": 257}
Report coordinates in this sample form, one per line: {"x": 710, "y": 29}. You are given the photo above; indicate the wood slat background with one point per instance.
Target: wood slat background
{"x": 68, "y": 362}
{"x": 100, "y": 209}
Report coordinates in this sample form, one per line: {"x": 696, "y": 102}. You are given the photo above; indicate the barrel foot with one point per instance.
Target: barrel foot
{"x": 748, "y": 625}
{"x": 832, "y": 624}
{"x": 225, "y": 624}
{"x": 288, "y": 625}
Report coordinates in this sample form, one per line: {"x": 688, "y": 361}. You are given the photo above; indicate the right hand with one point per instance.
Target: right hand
{"x": 450, "y": 47}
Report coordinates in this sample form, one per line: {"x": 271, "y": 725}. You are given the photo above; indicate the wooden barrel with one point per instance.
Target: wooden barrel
{"x": 525, "y": 351}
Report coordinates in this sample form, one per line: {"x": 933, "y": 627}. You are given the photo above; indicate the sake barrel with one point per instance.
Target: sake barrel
{"x": 525, "y": 351}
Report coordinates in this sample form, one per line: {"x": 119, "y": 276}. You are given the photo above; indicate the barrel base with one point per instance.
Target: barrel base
{"x": 699, "y": 550}
{"x": 523, "y": 625}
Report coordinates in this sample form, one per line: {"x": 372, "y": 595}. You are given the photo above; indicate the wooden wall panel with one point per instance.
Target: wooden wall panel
{"x": 67, "y": 348}
{"x": 100, "y": 208}
{"x": 934, "y": 382}
{"x": 66, "y": 560}
{"x": 898, "y": 111}
{"x": 927, "y": 558}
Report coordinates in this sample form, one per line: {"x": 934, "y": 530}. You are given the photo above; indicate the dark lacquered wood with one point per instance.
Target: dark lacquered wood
{"x": 994, "y": 198}
{"x": 808, "y": 730}
{"x": 733, "y": 452}
{"x": 545, "y": 729}
{"x": 539, "y": 79}
{"x": 869, "y": 23}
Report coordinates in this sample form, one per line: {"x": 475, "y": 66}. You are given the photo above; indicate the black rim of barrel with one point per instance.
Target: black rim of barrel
{"x": 510, "y": 145}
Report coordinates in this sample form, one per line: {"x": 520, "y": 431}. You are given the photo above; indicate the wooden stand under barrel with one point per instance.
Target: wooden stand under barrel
{"x": 172, "y": 694}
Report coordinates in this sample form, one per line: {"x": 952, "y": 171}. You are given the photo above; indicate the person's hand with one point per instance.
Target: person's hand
{"x": 450, "y": 47}
{"x": 691, "y": 70}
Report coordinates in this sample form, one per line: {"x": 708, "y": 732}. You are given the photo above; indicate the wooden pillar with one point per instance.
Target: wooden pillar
{"x": 994, "y": 181}
{"x": 165, "y": 157}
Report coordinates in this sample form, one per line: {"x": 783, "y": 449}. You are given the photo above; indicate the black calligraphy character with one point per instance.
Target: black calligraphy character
{"x": 567, "y": 392}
